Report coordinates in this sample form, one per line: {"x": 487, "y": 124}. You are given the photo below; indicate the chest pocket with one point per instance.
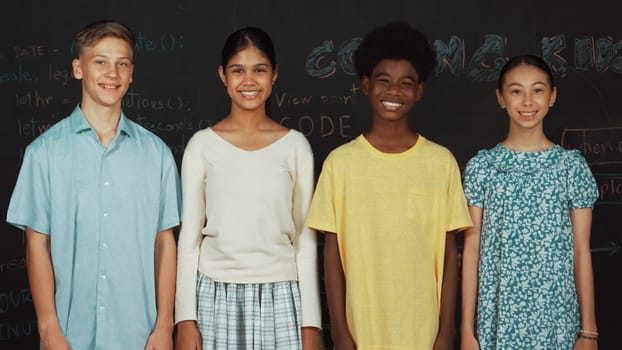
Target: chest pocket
{"x": 422, "y": 205}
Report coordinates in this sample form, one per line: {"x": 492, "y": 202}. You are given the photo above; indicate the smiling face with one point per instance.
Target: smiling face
{"x": 248, "y": 77}
{"x": 392, "y": 89}
{"x": 526, "y": 94}
{"x": 106, "y": 72}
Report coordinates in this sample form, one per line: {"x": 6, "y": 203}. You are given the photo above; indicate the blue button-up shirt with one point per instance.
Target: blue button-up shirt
{"x": 102, "y": 208}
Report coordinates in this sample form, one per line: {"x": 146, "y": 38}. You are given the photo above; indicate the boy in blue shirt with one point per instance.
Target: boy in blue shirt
{"x": 98, "y": 197}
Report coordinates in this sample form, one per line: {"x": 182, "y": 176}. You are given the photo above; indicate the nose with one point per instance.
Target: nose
{"x": 113, "y": 70}
{"x": 527, "y": 99}
{"x": 248, "y": 79}
{"x": 393, "y": 89}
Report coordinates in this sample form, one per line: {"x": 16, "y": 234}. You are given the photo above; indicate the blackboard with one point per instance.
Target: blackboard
{"x": 176, "y": 92}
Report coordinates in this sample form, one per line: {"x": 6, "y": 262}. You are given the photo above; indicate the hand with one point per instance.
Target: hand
{"x": 444, "y": 342}
{"x": 585, "y": 344}
{"x": 160, "y": 339}
{"x": 310, "y": 338}
{"x": 469, "y": 343}
{"x": 344, "y": 343}
{"x": 54, "y": 339}
{"x": 188, "y": 336}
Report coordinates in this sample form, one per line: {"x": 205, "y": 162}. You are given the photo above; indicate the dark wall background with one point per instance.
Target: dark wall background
{"x": 176, "y": 92}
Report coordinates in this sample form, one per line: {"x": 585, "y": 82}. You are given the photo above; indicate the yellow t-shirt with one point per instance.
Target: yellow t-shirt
{"x": 391, "y": 213}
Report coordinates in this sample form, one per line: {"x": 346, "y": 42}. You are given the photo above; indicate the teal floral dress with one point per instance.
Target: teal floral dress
{"x": 527, "y": 297}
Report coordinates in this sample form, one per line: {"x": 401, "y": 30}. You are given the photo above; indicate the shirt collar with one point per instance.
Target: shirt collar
{"x": 80, "y": 124}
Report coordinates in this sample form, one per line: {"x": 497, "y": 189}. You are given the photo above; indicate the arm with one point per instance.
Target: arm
{"x": 305, "y": 246}
{"x": 193, "y": 176}
{"x": 470, "y": 280}
{"x": 336, "y": 294}
{"x": 306, "y": 258}
{"x": 584, "y": 279}
{"x": 41, "y": 279}
{"x": 165, "y": 268}
{"x": 447, "y": 330}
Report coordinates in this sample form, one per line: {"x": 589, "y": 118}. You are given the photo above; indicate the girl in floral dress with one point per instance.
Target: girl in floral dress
{"x": 527, "y": 269}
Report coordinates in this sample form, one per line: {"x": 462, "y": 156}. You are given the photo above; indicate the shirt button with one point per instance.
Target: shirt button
{"x": 103, "y": 277}
{"x": 104, "y": 245}
{"x": 101, "y": 308}
{"x": 105, "y": 214}
{"x": 106, "y": 183}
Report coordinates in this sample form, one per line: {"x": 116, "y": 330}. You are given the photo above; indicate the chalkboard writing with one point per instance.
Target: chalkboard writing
{"x": 176, "y": 91}
{"x": 599, "y": 146}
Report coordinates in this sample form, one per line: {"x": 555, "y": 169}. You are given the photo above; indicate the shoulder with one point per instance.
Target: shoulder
{"x": 480, "y": 158}
{"x": 150, "y": 145}
{"x": 202, "y": 137}
{"x": 572, "y": 155}
{"x": 436, "y": 155}
{"x": 486, "y": 156}
{"x": 203, "y": 134}
{"x": 144, "y": 135}
{"x": 342, "y": 156}
{"x": 299, "y": 143}
{"x": 572, "y": 160}
{"x": 348, "y": 150}
{"x": 55, "y": 135}
{"x": 297, "y": 138}
{"x": 435, "y": 149}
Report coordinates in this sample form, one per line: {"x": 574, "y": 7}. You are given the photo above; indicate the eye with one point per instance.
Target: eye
{"x": 237, "y": 70}
{"x": 515, "y": 92}
{"x": 408, "y": 83}
{"x": 100, "y": 62}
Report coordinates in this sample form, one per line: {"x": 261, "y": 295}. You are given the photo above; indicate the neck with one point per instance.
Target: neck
{"x": 104, "y": 120}
{"x": 391, "y": 137}
{"x": 527, "y": 141}
{"x": 248, "y": 120}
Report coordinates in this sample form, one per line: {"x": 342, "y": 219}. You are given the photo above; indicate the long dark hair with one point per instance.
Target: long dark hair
{"x": 245, "y": 37}
{"x": 531, "y": 60}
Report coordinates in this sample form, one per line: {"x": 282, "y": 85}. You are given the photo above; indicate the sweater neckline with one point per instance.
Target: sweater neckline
{"x": 242, "y": 150}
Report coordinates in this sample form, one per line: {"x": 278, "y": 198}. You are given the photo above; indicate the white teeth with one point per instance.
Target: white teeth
{"x": 391, "y": 104}
{"x": 108, "y": 86}
{"x": 528, "y": 114}
{"x": 249, "y": 93}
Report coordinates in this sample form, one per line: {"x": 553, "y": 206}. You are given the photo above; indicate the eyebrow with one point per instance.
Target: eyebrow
{"x": 383, "y": 74}
{"x": 253, "y": 65}
{"x": 532, "y": 84}
{"x": 120, "y": 58}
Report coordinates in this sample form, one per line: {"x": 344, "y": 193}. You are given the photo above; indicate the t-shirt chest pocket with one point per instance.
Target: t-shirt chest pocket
{"x": 422, "y": 203}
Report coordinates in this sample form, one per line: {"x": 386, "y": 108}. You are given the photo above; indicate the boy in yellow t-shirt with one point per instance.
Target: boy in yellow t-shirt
{"x": 390, "y": 202}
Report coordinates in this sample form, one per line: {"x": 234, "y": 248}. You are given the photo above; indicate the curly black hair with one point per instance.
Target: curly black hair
{"x": 397, "y": 40}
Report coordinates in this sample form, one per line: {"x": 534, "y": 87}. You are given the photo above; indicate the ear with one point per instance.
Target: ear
{"x": 131, "y": 72}
{"x": 420, "y": 90}
{"x": 275, "y": 73}
{"x": 76, "y": 66}
{"x": 500, "y": 98}
{"x": 221, "y": 74}
{"x": 365, "y": 85}
{"x": 553, "y": 97}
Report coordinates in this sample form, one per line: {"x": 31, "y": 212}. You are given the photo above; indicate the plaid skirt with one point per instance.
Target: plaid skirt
{"x": 263, "y": 316}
